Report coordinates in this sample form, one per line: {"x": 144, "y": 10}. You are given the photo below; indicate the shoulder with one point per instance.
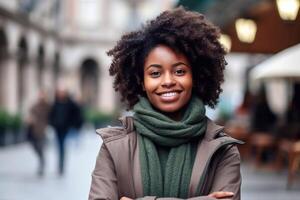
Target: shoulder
{"x": 114, "y": 133}
{"x": 111, "y": 133}
{"x": 214, "y": 131}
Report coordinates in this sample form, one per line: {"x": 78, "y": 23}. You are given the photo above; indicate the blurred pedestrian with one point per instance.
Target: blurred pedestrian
{"x": 262, "y": 117}
{"x": 37, "y": 123}
{"x": 291, "y": 128}
{"x": 77, "y": 120}
{"x": 61, "y": 120}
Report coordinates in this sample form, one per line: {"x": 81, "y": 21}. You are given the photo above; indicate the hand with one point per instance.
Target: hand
{"x": 221, "y": 194}
{"x": 125, "y": 198}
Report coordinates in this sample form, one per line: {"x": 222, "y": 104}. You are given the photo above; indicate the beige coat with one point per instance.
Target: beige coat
{"x": 117, "y": 171}
{"x": 39, "y": 119}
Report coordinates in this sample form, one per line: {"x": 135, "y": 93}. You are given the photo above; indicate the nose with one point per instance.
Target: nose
{"x": 168, "y": 80}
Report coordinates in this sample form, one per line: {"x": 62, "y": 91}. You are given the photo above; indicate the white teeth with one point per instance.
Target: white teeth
{"x": 169, "y": 94}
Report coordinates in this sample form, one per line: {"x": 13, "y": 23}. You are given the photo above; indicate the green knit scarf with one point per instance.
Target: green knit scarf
{"x": 155, "y": 129}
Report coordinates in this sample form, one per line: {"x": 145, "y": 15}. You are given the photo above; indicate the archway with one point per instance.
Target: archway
{"x": 56, "y": 67}
{"x": 22, "y": 64}
{"x": 3, "y": 55}
{"x": 40, "y": 67}
{"x": 89, "y": 72}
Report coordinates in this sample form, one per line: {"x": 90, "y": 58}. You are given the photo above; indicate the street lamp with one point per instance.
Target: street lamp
{"x": 226, "y": 42}
{"x": 288, "y": 9}
{"x": 246, "y": 29}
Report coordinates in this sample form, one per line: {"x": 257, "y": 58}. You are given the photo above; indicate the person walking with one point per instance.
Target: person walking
{"x": 37, "y": 123}
{"x": 61, "y": 120}
{"x": 77, "y": 120}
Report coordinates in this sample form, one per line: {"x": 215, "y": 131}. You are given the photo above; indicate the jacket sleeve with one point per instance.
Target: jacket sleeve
{"x": 104, "y": 181}
{"x": 170, "y": 198}
{"x": 227, "y": 177}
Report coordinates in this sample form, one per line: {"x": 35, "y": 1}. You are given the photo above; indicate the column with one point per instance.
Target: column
{"x": 31, "y": 83}
{"x": 10, "y": 84}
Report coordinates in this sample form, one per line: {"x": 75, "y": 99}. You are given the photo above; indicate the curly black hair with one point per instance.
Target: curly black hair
{"x": 183, "y": 31}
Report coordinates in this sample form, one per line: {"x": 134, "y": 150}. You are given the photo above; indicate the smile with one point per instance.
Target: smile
{"x": 169, "y": 94}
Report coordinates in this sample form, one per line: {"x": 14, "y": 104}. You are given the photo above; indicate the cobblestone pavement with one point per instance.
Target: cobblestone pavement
{"x": 18, "y": 179}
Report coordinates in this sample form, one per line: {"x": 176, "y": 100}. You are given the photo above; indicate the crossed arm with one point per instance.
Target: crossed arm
{"x": 226, "y": 184}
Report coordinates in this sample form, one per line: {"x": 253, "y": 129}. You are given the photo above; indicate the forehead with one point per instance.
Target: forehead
{"x": 164, "y": 54}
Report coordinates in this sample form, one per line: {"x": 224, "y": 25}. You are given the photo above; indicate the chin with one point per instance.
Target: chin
{"x": 169, "y": 109}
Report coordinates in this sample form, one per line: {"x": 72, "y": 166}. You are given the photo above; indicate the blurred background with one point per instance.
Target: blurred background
{"x": 53, "y": 63}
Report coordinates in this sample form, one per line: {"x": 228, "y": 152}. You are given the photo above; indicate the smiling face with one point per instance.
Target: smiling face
{"x": 168, "y": 80}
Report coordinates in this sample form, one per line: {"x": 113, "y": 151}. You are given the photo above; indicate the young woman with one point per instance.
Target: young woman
{"x": 166, "y": 73}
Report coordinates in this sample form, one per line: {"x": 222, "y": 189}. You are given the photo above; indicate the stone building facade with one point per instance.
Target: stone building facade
{"x": 44, "y": 43}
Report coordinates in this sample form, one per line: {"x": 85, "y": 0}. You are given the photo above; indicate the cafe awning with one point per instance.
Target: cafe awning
{"x": 283, "y": 65}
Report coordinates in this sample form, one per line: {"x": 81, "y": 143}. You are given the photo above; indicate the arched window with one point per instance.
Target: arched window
{"x": 22, "y": 64}
{"x": 41, "y": 66}
{"x": 89, "y": 72}
{"x": 3, "y": 55}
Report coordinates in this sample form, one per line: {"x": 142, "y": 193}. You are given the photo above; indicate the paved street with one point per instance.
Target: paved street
{"x": 18, "y": 180}
{"x": 266, "y": 185}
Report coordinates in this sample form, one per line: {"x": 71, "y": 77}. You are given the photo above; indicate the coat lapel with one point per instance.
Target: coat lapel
{"x": 205, "y": 151}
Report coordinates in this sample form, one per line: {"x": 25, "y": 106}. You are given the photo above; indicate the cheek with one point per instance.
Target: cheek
{"x": 149, "y": 85}
{"x": 146, "y": 85}
{"x": 188, "y": 83}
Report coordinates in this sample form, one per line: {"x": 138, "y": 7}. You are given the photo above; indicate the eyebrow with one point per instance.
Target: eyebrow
{"x": 180, "y": 63}
{"x": 174, "y": 65}
{"x": 154, "y": 65}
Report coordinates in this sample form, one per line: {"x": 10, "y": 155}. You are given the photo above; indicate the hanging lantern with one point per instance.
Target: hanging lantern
{"x": 288, "y": 9}
{"x": 246, "y": 30}
{"x": 225, "y": 41}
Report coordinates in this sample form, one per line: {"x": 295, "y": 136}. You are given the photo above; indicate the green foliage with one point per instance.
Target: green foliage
{"x": 10, "y": 121}
{"x": 15, "y": 122}
{"x": 98, "y": 118}
{"x": 3, "y": 119}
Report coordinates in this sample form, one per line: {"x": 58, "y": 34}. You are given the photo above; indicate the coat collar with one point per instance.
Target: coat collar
{"x": 212, "y": 130}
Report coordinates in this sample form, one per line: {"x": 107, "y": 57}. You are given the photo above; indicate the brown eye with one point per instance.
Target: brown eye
{"x": 180, "y": 72}
{"x": 155, "y": 74}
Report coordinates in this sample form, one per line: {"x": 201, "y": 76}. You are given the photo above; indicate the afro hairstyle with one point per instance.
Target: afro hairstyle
{"x": 186, "y": 32}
